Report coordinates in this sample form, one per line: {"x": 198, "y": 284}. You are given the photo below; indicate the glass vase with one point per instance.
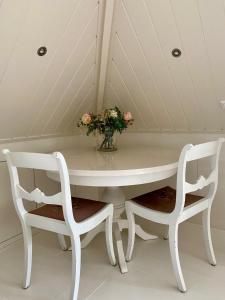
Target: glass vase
{"x": 106, "y": 141}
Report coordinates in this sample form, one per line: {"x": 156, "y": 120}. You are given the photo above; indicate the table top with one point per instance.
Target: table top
{"x": 129, "y": 165}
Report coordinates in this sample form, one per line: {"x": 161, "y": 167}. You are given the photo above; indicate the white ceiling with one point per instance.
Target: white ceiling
{"x": 46, "y": 95}
{"x": 43, "y": 95}
{"x": 167, "y": 93}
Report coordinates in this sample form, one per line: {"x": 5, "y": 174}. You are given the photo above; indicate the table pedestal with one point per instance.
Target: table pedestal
{"x": 115, "y": 195}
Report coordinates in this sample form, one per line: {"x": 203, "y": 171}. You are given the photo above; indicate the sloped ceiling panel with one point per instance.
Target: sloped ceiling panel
{"x": 166, "y": 93}
{"x": 43, "y": 95}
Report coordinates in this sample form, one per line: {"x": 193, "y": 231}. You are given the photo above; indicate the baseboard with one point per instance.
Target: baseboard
{"x": 14, "y": 239}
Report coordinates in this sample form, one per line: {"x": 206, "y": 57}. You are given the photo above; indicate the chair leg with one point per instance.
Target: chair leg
{"x": 76, "y": 264}
{"x": 109, "y": 240}
{"x": 27, "y": 235}
{"x": 173, "y": 242}
{"x": 166, "y": 234}
{"x": 207, "y": 236}
{"x": 62, "y": 241}
{"x": 131, "y": 231}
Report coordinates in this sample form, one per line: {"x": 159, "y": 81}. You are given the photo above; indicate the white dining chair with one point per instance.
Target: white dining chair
{"x": 60, "y": 214}
{"x": 172, "y": 207}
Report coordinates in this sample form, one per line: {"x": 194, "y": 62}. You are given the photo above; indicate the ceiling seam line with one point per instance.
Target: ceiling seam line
{"x": 148, "y": 65}
{"x": 185, "y": 61}
{"x": 104, "y": 59}
{"x": 16, "y": 44}
{"x": 129, "y": 93}
{"x": 137, "y": 80}
{"x": 99, "y": 37}
{"x": 118, "y": 97}
{"x": 77, "y": 92}
{"x": 81, "y": 104}
{"x": 207, "y": 51}
{"x": 115, "y": 93}
{"x": 165, "y": 60}
{"x": 53, "y": 57}
{"x": 64, "y": 66}
{"x": 128, "y": 99}
{"x": 69, "y": 84}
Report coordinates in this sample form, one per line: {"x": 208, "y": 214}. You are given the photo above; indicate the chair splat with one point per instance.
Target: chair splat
{"x": 201, "y": 183}
{"x": 38, "y": 196}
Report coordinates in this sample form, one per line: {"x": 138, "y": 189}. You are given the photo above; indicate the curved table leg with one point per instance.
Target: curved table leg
{"x": 123, "y": 224}
{"x": 143, "y": 234}
{"x": 120, "y": 251}
{"x": 92, "y": 234}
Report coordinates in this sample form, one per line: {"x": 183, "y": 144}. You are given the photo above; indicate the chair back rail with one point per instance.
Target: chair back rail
{"x": 203, "y": 150}
{"x": 195, "y": 153}
{"x": 38, "y": 161}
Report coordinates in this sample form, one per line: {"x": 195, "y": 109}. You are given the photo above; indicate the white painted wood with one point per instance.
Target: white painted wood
{"x": 139, "y": 74}
{"x": 143, "y": 234}
{"x": 180, "y": 214}
{"x": 207, "y": 236}
{"x": 109, "y": 240}
{"x": 38, "y": 196}
{"x": 143, "y": 164}
{"x": 9, "y": 223}
{"x": 91, "y": 235}
{"x": 107, "y": 28}
{"x": 120, "y": 250}
{"x": 175, "y": 90}
{"x": 131, "y": 231}
{"x": 128, "y": 166}
{"x": 62, "y": 242}
{"x": 68, "y": 227}
{"x": 212, "y": 20}
{"x": 76, "y": 266}
{"x": 27, "y": 255}
{"x": 173, "y": 242}
{"x": 198, "y": 62}
{"x": 46, "y": 84}
{"x": 123, "y": 224}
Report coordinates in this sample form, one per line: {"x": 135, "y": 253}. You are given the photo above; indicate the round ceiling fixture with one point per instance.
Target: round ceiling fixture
{"x": 176, "y": 52}
{"x": 42, "y": 51}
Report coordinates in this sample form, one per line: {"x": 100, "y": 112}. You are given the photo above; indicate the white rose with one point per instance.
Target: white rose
{"x": 113, "y": 114}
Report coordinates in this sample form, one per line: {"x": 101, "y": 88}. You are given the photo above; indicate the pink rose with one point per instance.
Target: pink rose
{"x": 127, "y": 116}
{"x": 86, "y": 119}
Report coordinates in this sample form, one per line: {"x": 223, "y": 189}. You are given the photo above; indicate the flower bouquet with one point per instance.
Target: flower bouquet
{"x": 106, "y": 124}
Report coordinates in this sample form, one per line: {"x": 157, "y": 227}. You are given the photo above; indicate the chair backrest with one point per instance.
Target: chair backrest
{"x": 194, "y": 153}
{"x": 49, "y": 162}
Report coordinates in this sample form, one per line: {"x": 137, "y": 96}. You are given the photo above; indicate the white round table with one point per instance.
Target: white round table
{"x": 129, "y": 165}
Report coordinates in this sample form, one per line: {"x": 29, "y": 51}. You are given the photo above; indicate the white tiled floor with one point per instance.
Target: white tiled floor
{"x": 150, "y": 273}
